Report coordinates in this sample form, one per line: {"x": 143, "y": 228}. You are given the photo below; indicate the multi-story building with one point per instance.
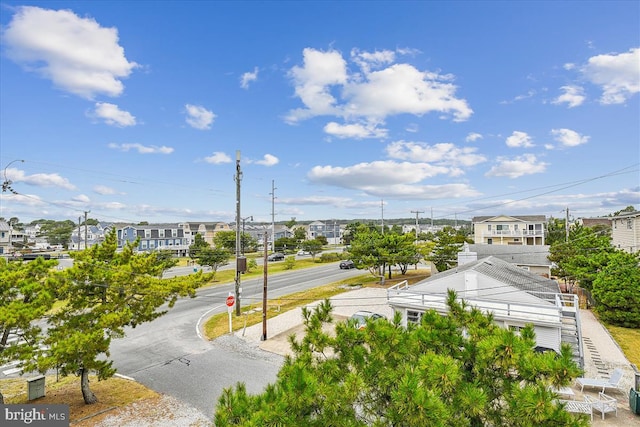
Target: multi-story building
{"x": 156, "y": 237}
{"x": 206, "y": 229}
{"x": 330, "y": 230}
{"x": 5, "y": 238}
{"x": 625, "y": 232}
{"x": 509, "y": 230}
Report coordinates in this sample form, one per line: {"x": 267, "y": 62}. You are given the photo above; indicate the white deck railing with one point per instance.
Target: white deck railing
{"x": 551, "y": 313}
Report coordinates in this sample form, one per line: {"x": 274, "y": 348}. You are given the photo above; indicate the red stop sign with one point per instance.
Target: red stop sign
{"x": 230, "y": 301}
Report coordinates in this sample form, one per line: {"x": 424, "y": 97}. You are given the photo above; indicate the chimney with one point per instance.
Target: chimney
{"x": 466, "y": 256}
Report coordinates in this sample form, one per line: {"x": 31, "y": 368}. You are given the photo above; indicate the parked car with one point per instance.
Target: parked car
{"x": 345, "y": 265}
{"x": 359, "y": 318}
{"x": 301, "y": 253}
{"x": 276, "y": 256}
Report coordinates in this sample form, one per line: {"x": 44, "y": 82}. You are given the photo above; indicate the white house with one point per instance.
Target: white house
{"x": 516, "y": 297}
{"x": 625, "y": 232}
{"x": 509, "y": 230}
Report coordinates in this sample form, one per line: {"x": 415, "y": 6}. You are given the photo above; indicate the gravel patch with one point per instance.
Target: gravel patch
{"x": 162, "y": 412}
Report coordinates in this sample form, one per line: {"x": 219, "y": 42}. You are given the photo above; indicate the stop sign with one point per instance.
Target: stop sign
{"x": 230, "y": 301}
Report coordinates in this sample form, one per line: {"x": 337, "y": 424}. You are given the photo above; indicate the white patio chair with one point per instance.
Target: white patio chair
{"x": 604, "y": 404}
{"x": 578, "y": 407}
{"x": 612, "y": 382}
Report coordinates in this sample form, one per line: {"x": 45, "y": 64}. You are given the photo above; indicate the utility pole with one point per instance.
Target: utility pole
{"x": 417, "y": 225}
{"x": 79, "y": 238}
{"x": 238, "y": 178}
{"x": 432, "y": 220}
{"x": 273, "y": 215}
{"x": 265, "y": 263}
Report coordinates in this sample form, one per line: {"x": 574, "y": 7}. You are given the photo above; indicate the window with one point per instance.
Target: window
{"x": 489, "y": 241}
{"x": 514, "y": 328}
{"x": 630, "y": 224}
{"x": 147, "y": 234}
{"x": 174, "y": 232}
{"x": 414, "y": 316}
{"x": 161, "y": 233}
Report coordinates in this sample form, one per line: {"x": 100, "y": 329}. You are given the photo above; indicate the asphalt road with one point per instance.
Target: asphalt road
{"x": 170, "y": 356}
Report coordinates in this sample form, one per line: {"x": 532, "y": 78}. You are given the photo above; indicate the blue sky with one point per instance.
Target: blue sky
{"x": 134, "y": 111}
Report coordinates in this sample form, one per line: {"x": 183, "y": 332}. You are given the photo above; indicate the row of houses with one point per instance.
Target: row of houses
{"x": 501, "y": 230}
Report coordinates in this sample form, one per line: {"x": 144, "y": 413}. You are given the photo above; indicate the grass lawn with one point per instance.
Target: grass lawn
{"x": 218, "y": 324}
{"x": 112, "y": 393}
{"x": 628, "y": 340}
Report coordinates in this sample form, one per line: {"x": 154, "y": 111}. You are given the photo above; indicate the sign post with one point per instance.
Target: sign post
{"x": 231, "y": 301}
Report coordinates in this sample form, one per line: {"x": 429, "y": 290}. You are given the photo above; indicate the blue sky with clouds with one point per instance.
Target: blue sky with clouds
{"x": 134, "y": 111}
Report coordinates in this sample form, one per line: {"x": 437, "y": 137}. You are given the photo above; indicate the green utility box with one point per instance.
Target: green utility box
{"x": 634, "y": 401}
{"x": 35, "y": 387}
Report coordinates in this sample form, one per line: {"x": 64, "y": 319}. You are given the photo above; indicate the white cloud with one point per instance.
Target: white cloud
{"x": 199, "y": 117}
{"x": 526, "y": 164}
{"x": 368, "y": 60}
{"x": 38, "y": 179}
{"x": 142, "y": 149}
{"x": 617, "y": 74}
{"x": 104, "y": 190}
{"x": 473, "y": 136}
{"x": 113, "y": 115}
{"x": 390, "y": 179}
{"x": 355, "y": 130}
{"x": 445, "y": 154}
{"x": 248, "y": 77}
{"x": 568, "y": 137}
{"x": 402, "y": 89}
{"x": 337, "y": 202}
{"x": 313, "y": 80}
{"x": 325, "y": 87}
{"x": 268, "y": 160}
{"x": 519, "y": 139}
{"x": 573, "y": 96}
{"x": 76, "y": 54}
{"x": 218, "y": 158}
{"x": 81, "y": 198}
{"x": 378, "y": 173}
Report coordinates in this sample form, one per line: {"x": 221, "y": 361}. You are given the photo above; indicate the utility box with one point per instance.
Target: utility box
{"x": 35, "y": 387}
{"x": 242, "y": 264}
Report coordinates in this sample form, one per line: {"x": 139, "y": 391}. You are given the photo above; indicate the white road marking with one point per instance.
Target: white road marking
{"x": 201, "y": 318}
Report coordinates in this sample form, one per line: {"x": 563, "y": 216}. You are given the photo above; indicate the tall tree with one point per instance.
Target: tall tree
{"x": 57, "y": 232}
{"x": 227, "y": 240}
{"x": 401, "y": 251}
{"x": 198, "y": 245}
{"x": 299, "y": 234}
{"x": 582, "y": 256}
{"x": 616, "y": 289}
{"x": 25, "y": 296}
{"x": 105, "y": 291}
{"x": 314, "y": 247}
{"x": 448, "y": 243}
{"x": 214, "y": 258}
{"x": 460, "y": 369}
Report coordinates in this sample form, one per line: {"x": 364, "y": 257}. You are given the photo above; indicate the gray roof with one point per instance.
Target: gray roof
{"x": 504, "y": 272}
{"x": 515, "y": 254}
